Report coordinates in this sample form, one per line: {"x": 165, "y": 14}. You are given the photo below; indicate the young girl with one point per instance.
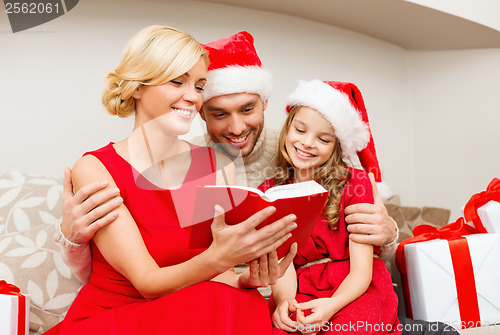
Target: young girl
{"x": 336, "y": 285}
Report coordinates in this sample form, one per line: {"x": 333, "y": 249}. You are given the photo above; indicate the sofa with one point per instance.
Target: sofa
{"x": 30, "y": 207}
{"x": 30, "y": 210}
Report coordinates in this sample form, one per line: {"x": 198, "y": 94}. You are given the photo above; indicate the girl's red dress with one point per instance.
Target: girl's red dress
{"x": 375, "y": 312}
{"x": 109, "y": 303}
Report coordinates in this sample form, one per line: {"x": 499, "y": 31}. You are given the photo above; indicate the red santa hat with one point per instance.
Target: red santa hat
{"x": 343, "y": 106}
{"x": 235, "y": 67}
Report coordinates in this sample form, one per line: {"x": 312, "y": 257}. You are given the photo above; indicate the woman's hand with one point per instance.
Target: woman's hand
{"x": 87, "y": 211}
{"x": 322, "y": 310}
{"x": 266, "y": 270}
{"x": 281, "y": 316}
{"x": 240, "y": 243}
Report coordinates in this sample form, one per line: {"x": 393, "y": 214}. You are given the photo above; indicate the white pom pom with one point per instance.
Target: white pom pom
{"x": 384, "y": 190}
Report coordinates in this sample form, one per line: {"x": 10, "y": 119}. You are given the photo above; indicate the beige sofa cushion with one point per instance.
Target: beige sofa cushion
{"x": 30, "y": 206}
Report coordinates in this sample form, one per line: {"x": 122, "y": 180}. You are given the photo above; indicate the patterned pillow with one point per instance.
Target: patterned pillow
{"x": 30, "y": 207}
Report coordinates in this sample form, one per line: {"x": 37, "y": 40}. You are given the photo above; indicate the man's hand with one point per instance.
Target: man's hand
{"x": 266, "y": 270}
{"x": 370, "y": 223}
{"x": 87, "y": 211}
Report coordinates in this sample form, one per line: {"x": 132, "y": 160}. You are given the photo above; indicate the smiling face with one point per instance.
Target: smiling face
{"x": 175, "y": 103}
{"x": 310, "y": 142}
{"x": 237, "y": 119}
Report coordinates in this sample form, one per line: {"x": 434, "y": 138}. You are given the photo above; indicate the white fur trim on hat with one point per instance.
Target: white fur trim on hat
{"x": 238, "y": 79}
{"x": 335, "y": 106}
{"x": 385, "y": 191}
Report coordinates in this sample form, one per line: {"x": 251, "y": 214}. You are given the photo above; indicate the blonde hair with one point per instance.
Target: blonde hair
{"x": 332, "y": 175}
{"x": 153, "y": 56}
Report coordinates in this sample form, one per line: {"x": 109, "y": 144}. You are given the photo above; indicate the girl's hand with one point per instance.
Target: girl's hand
{"x": 266, "y": 270}
{"x": 281, "y": 316}
{"x": 322, "y": 310}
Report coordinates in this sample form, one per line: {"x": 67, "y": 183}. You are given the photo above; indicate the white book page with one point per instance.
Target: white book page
{"x": 247, "y": 188}
{"x": 294, "y": 190}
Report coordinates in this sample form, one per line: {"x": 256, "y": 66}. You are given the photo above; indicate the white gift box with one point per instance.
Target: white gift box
{"x": 431, "y": 279}
{"x": 489, "y": 214}
{"x": 9, "y": 314}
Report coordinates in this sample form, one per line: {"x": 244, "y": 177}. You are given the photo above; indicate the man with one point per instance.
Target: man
{"x": 235, "y": 98}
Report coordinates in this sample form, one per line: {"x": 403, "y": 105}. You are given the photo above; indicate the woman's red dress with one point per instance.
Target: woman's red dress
{"x": 109, "y": 303}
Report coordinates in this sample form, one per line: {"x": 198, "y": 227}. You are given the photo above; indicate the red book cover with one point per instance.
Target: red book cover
{"x": 306, "y": 200}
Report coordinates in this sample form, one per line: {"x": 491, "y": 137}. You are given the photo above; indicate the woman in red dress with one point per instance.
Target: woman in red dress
{"x": 145, "y": 279}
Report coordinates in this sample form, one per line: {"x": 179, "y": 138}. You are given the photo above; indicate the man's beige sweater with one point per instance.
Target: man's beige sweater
{"x": 259, "y": 165}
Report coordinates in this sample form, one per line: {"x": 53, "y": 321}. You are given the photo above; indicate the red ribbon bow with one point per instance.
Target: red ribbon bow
{"x": 478, "y": 200}
{"x": 6, "y": 288}
{"x": 9, "y": 289}
{"x": 462, "y": 265}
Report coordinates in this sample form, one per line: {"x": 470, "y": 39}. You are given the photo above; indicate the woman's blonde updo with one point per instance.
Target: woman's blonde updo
{"x": 154, "y": 56}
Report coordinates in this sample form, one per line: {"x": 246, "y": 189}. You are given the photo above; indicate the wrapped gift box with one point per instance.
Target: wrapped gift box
{"x": 432, "y": 284}
{"x": 490, "y": 216}
{"x": 483, "y": 209}
{"x": 10, "y": 314}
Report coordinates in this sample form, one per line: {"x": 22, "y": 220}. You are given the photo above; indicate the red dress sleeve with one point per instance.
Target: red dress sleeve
{"x": 358, "y": 189}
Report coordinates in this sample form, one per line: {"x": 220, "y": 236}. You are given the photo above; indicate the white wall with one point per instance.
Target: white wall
{"x": 51, "y": 80}
{"x": 52, "y": 76}
{"x": 457, "y": 117}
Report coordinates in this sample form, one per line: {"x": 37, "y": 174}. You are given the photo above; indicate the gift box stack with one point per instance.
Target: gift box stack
{"x": 14, "y": 310}
{"x": 452, "y": 274}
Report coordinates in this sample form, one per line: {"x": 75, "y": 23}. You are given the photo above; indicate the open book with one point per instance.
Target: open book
{"x": 305, "y": 200}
